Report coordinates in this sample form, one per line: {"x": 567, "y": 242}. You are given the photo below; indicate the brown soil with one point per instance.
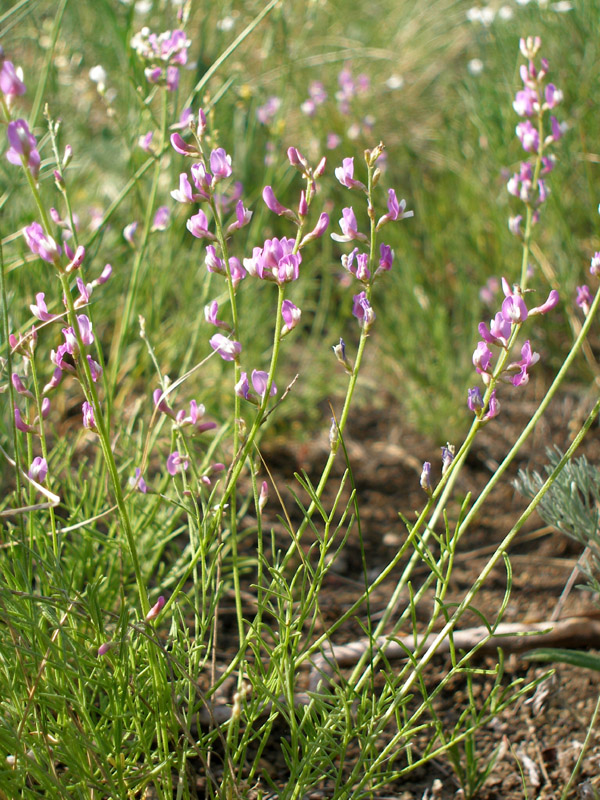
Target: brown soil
{"x": 540, "y": 742}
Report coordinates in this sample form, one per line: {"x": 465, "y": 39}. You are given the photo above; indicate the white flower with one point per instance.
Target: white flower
{"x": 98, "y": 75}
{"x": 475, "y": 66}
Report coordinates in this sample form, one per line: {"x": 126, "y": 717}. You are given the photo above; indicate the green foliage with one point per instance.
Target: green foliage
{"x": 84, "y": 571}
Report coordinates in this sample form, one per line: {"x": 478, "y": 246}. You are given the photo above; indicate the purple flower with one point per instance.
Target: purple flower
{"x": 172, "y": 78}
{"x": 266, "y": 113}
{"x": 185, "y": 194}
{"x": 161, "y": 218}
{"x": 95, "y": 368}
{"x": 11, "y": 84}
{"x": 54, "y": 381}
{"x": 238, "y": 273}
{"x": 195, "y": 418}
{"x": 179, "y": 144}
{"x": 526, "y": 102}
{"x": 556, "y": 129}
{"x": 89, "y": 421}
{"x": 242, "y": 387}
{"x": 41, "y": 310}
{"x": 160, "y": 401}
{"x": 137, "y": 481}
{"x": 226, "y": 348}
{"x": 528, "y": 359}
{"x": 514, "y": 309}
{"x": 260, "y": 380}
{"x": 85, "y": 329}
{"x": 23, "y": 145}
{"x": 493, "y": 407}
{"x": 553, "y": 95}
{"x": 595, "y": 264}
{"x": 129, "y": 233}
{"x": 345, "y": 175}
{"x": 482, "y": 358}
{"x": 498, "y": 332}
{"x": 584, "y": 298}
{"x": 19, "y": 386}
{"x": 220, "y": 164}
{"x": 425, "y": 479}
{"x": 40, "y": 244}
{"x": 275, "y": 206}
{"x": 349, "y": 228}
{"x": 210, "y": 314}
{"x": 291, "y": 316}
{"x": 176, "y": 463}
{"x": 475, "y": 400}
{"x": 318, "y": 230}
{"x": 145, "y": 142}
{"x": 550, "y": 303}
{"x": 242, "y": 217}
{"x": 528, "y": 136}
{"x": 363, "y": 311}
{"x": 198, "y": 226}
{"x": 38, "y": 469}
{"x": 448, "y": 453}
{"x": 20, "y": 423}
{"x": 396, "y": 210}
{"x": 275, "y": 261}
{"x": 386, "y": 258}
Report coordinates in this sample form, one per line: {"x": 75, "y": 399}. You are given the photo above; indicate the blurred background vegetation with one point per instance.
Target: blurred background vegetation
{"x": 441, "y": 79}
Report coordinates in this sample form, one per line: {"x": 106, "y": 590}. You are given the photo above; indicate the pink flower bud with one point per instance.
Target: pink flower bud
{"x": 156, "y": 609}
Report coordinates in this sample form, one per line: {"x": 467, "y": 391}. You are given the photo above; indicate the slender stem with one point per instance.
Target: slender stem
{"x": 590, "y": 731}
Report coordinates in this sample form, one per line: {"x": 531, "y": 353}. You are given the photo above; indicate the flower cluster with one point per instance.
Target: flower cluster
{"x": 500, "y": 333}
{"x": 162, "y": 54}
{"x": 532, "y": 102}
{"x": 357, "y": 263}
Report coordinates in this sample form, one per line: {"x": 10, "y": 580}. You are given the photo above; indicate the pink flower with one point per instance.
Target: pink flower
{"x": 220, "y": 164}
{"x": 176, "y": 462}
{"x": 291, "y": 316}
{"x": 210, "y": 314}
{"x": 40, "y": 244}
{"x": 498, "y": 332}
{"x": 266, "y": 113}
{"x": 41, "y": 310}
{"x": 396, "y": 210}
{"x": 260, "y": 381}
{"x": 137, "y": 481}
{"x": 275, "y": 206}
{"x": 550, "y": 303}
{"x": 482, "y": 357}
{"x": 363, "y": 311}
{"x": 349, "y": 227}
{"x": 156, "y": 609}
{"x": 528, "y": 359}
{"x": 11, "y": 84}
{"x": 528, "y": 136}
{"x": 23, "y": 145}
{"x": 226, "y": 348}
{"x": 179, "y": 144}
{"x": 185, "y": 194}
{"x": 89, "y": 421}
{"x": 345, "y": 175}
{"x": 161, "y": 218}
{"x": 198, "y": 226}
{"x": 38, "y": 469}
{"x": 584, "y": 298}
